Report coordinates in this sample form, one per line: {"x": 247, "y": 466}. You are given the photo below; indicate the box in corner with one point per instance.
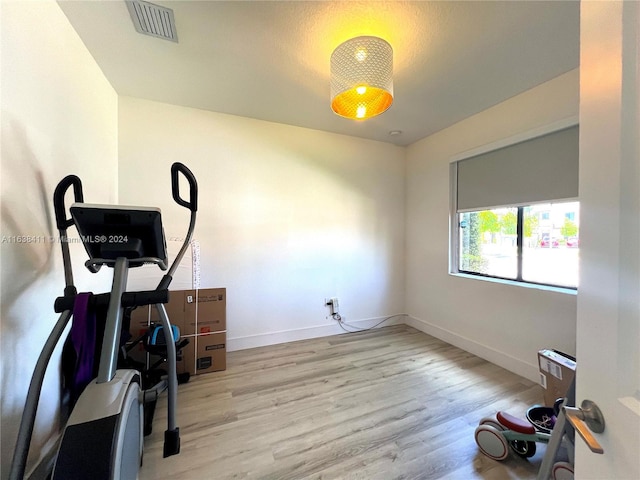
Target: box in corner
{"x": 557, "y": 371}
{"x": 181, "y": 311}
{"x": 204, "y": 354}
{"x": 212, "y": 310}
{"x": 211, "y": 352}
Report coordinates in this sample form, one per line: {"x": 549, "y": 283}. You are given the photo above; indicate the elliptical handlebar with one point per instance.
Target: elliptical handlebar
{"x": 172, "y": 434}
{"x": 62, "y": 222}
{"x": 192, "y": 204}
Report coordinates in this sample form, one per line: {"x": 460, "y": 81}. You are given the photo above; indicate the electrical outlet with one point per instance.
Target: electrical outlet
{"x": 332, "y": 303}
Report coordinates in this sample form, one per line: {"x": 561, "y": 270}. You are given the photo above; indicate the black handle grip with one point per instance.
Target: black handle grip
{"x": 192, "y": 204}
{"x": 129, "y": 299}
{"x": 62, "y": 222}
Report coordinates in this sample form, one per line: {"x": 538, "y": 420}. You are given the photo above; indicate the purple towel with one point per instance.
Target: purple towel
{"x": 83, "y": 339}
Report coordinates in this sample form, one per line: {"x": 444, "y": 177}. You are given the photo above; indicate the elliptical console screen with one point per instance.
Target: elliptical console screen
{"x": 108, "y": 231}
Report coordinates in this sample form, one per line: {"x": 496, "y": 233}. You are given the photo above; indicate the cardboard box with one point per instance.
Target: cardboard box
{"x": 142, "y": 316}
{"x": 204, "y": 354}
{"x": 211, "y": 352}
{"x": 181, "y": 311}
{"x": 208, "y": 317}
{"x": 557, "y": 371}
{"x": 201, "y": 317}
{"x": 212, "y": 310}
{"x": 189, "y": 303}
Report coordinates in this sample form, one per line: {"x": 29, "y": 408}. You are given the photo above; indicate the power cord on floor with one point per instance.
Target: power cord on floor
{"x": 338, "y": 318}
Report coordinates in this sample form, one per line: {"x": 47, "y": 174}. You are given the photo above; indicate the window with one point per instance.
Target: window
{"x": 515, "y": 211}
{"x": 512, "y": 243}
{"x": 488, "y": 242}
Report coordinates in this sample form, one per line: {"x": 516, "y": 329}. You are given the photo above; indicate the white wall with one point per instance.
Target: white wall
{"x": 288, "y": 216}
{"x": 59, "y": 116}
{"x": 505, "y": 324}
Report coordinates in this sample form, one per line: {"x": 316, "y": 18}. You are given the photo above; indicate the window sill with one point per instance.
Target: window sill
{"x": 548, "y": 288}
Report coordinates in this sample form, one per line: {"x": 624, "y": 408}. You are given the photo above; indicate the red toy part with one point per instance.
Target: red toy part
{"x": 515, "y": 424}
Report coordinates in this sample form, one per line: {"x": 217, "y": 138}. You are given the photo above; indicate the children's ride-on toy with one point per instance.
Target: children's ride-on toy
{"x": 496, "y": 435}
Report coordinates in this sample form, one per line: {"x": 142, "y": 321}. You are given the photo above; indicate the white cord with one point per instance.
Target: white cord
{"x": 338, "y": 318}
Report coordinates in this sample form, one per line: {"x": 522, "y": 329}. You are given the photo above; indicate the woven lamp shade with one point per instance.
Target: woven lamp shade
{"x": 362, "y": 78}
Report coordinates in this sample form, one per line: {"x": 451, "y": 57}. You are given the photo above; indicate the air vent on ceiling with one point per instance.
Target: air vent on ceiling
{"x": 153, "y": 20}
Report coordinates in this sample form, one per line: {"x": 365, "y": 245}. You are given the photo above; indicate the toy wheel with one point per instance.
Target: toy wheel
{"x": 493, "y": 422}
{"x": 523, "y": 448}
{"x": 491, "y": 442}
{"x": 562, "y": 471}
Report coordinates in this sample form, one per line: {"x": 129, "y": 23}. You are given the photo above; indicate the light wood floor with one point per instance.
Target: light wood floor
{"x": 393, "y": 403}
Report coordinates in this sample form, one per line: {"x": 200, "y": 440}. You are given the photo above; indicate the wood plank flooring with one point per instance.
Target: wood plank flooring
{"x": 392, "y": 403}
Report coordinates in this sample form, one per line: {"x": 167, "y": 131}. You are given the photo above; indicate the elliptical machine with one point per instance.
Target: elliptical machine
{"x": 103, "y": 437}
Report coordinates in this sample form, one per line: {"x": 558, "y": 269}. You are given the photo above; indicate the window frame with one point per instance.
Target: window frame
{"x": 519, "y": 250}
{"x": 454, "y": 230}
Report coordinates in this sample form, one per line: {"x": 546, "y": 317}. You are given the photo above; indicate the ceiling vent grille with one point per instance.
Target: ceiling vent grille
{"x": 153, "y": 20}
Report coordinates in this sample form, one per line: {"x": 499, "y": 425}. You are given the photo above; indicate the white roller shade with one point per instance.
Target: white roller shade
{"x": 538, "y": 170}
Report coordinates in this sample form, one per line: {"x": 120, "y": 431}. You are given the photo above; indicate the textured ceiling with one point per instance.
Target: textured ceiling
{"x": 270, "y": 60}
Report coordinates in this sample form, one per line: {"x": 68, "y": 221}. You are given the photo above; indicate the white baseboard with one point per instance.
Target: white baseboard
{"x": 283, "y": 336}
{"x": 496, "y": 357}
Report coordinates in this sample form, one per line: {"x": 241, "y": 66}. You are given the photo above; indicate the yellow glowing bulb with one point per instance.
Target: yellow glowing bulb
{"x": 361, "y": 78}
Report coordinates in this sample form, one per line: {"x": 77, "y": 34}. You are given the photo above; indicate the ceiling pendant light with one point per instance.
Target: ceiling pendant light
{"x": 362, "y": 78}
